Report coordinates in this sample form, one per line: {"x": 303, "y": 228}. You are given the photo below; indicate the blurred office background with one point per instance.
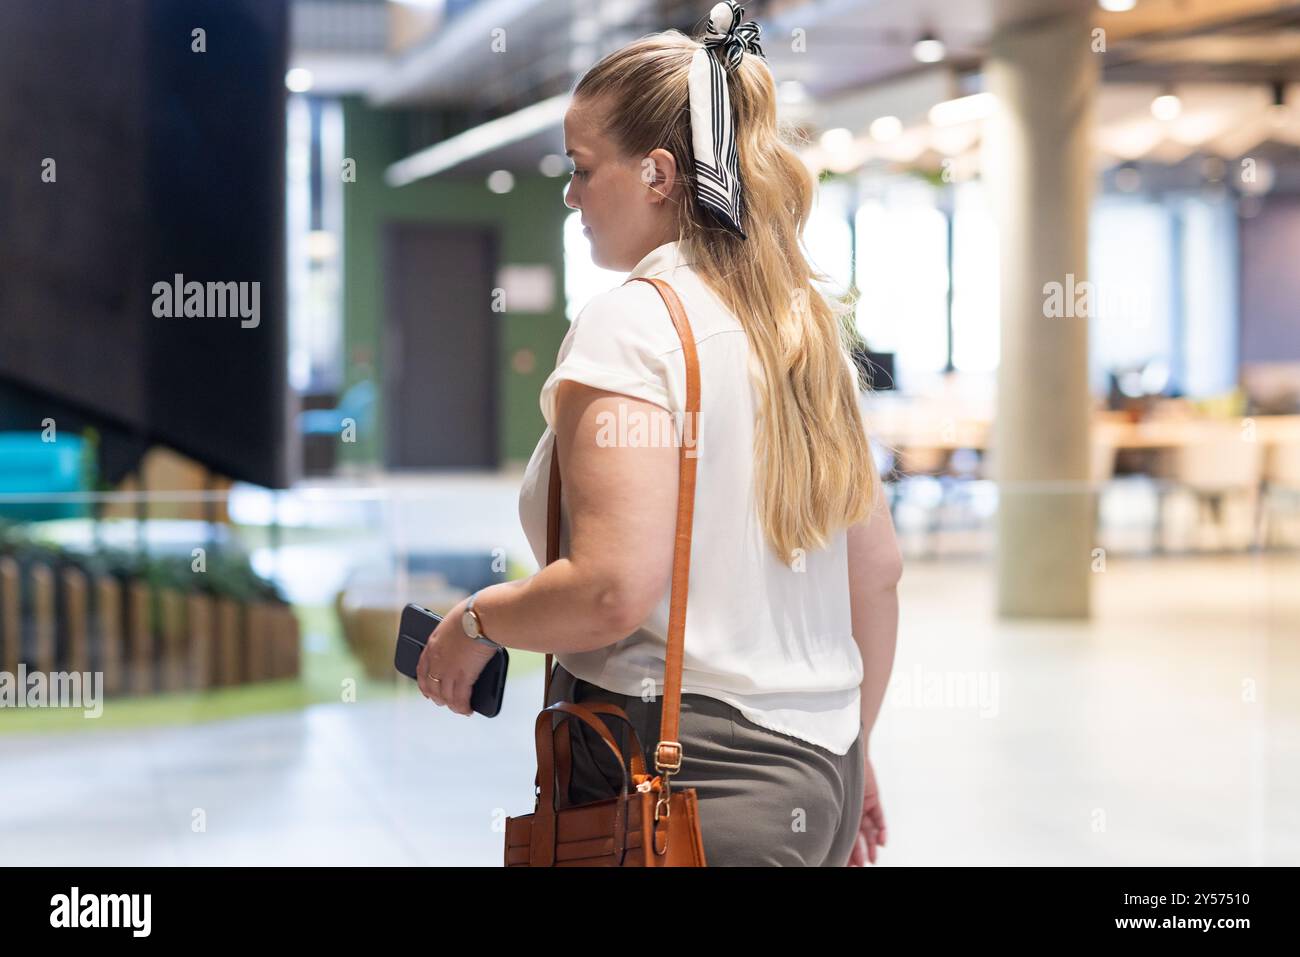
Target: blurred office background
{"x": 1071, "y": 229}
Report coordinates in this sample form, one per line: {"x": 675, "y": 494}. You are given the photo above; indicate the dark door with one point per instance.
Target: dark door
{"x": 440, "y": 347}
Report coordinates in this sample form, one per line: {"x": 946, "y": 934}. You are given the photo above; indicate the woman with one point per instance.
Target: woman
{"x": 792, "y": 609}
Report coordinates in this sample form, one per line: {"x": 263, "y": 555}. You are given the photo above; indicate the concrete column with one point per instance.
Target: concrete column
{"x": 1038, "y": 163}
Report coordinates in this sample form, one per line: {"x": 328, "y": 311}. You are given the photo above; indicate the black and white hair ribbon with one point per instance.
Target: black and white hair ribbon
{"x": 713, "y": 139}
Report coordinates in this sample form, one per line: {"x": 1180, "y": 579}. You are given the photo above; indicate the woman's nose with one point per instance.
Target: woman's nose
{"x": 570, "y": 197}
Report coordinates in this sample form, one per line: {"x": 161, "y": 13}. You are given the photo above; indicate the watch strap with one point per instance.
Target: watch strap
{"x": 482, "y": 637}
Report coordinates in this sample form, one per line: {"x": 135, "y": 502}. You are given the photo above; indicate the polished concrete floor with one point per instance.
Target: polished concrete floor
{"x": 1164, "y": 731}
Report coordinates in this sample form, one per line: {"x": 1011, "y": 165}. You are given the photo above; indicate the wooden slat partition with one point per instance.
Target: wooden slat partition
{"x": 10, "y": 616}
{"x": 284, "y": 641}
{"x": 139, "y": 637}
{"x": 172, "y": 631}
{"x": 229, "y": 628}
{"x": 41, "y": 578}
{"x": 76, "y": 619}
{"x": 254, "y": 640}
{"x": 200, "y": 633}
{"x": 98, "y": 622}
{"x": 108, "y": 628}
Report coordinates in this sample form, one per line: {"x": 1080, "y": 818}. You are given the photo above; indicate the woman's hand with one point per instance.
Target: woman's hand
{"x": 456, "y": 659}
{"x": 871, "y": 831}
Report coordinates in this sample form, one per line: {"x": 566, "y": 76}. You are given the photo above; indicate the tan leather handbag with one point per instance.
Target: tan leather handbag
{"x": 647, "y": 824}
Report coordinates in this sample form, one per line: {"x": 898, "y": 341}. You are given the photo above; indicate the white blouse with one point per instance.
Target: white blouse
{"x": 772, "y": 641}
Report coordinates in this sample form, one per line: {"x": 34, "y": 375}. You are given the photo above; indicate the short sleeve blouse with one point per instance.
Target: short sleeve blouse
{"x": 617, "y": 343}
{"x": 775, "y": 642}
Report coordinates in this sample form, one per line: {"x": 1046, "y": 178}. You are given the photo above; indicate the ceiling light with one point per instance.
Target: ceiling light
{"x": 321, "y": 245}
{"x": 837, "y": 140}
{"x": 298, "y": 80}
{"x": 1166, "y": 106}
{"x": 928, "y": 49}
{"x": 552, "y": 164}
{"x": 479, "y": 140}
{"x": 885, "y": 128}
{"x": 964, "y": 109}
{"x": 1117, "y": 6}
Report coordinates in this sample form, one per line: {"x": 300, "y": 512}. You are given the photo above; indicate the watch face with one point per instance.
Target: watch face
{"x": 470, "y": 623}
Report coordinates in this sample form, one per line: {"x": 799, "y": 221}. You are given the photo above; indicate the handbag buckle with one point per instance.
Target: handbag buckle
{"x": 661, "y": 764}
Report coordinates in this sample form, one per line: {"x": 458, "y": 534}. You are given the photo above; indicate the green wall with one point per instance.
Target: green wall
{"x": 529, "y": 224}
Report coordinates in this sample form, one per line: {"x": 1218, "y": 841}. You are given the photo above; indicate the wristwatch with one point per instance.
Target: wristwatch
{"x": 473, "y": 625}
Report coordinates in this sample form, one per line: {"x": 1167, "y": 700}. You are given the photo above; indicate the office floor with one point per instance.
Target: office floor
{"x": 1164, "y": 731}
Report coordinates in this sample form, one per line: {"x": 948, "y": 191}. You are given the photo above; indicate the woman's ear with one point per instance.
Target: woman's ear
{"x": 659, "y": 173}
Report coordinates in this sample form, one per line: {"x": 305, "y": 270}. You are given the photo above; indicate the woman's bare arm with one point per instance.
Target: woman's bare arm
{"x": 622, "y": 504}
{"x": 875, "y": 566}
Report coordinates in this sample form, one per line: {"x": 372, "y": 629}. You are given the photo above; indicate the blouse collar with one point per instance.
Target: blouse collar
{"x": 661, "y": 259}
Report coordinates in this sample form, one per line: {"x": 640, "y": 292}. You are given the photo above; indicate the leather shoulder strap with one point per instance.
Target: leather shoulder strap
{"x": 668, "y": 753}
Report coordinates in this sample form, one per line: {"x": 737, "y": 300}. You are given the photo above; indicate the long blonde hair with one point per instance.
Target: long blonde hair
{"x": 813, "y": 467}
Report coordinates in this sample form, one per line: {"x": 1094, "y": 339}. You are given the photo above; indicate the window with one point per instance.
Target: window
{"x": 828, "y": 238}
{"x": 902, "y": 275}
{"x": 1130, "y": 271}
{"x": 1209, "y": 298}
{"x": 313, "y": 253}
{"x": 976, "y": 324}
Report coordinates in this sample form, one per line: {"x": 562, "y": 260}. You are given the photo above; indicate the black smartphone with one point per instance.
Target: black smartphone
{"x": 413, "y": 633}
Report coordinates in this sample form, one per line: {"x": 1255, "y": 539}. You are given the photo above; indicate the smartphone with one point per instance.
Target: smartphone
{"x": 413, "y": 633}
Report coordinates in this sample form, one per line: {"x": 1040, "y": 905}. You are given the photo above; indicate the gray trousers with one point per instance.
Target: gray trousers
{"x": 765, "y": 798}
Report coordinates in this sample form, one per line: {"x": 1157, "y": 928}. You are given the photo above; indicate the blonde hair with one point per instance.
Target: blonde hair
{"x": 814, "y": 472}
